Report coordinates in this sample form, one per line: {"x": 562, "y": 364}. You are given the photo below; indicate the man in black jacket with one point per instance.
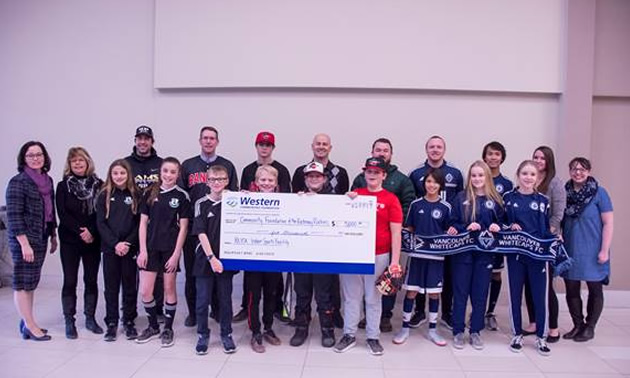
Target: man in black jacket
{"x": 145, "y": 167}
{"x": 193, "y": 180}
{"x": 338, "y": 182}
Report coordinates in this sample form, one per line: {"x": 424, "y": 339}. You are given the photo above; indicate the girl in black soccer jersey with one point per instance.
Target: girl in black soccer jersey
{"x": 478, "y": 209}
{"x": 165, "y": 212}
{"x": 117, "y": 223}
{"x": 267, "y": 282}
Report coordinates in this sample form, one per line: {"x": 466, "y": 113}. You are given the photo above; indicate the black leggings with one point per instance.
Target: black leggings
{"x": 594, "y": 304}
{"x": 552, "y": 303}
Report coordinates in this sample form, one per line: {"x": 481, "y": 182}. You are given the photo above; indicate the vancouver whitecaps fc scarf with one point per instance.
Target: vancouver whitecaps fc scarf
{"x": 505, "y": 242}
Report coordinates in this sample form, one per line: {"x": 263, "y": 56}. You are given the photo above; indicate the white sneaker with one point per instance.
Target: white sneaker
{"x": 459, "y": 341}
{"x": 401, "y": 336}
{"x": 436, "y": 338}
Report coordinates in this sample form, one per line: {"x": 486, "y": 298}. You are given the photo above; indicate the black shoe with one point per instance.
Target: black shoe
{"x": 338, "y": 320}
{"x": 130, "y": 332}
{"x": 586, "y": 334}
{"x": 190, "y": 321}
{"x": 386, "y": 325}
{"x": 28, "y": 335}
{"x": 300, "y": 336}
{"x": 574, "y": 332}
{"x": 71, "y": 329}
{"x": 328, "y": 337}
{"x": 281, "y": 317}
{"x": 91, "y": 325}
{"x": 417, "y": 319}
{"x": 362, "y": 323}
{"x": 240, "y": 316}
{"x": 110, "y": 335}
{"x": 553, "y": 339}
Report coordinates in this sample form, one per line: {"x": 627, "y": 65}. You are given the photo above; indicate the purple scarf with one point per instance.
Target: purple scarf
{"x": 44, "y": 186}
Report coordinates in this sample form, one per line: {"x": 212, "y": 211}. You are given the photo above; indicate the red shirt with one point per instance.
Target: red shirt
{"x": 388, "y": 210}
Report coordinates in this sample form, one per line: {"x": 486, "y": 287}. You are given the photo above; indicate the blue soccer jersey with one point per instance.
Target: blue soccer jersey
{"x": 487, "y": 212}
{"x": 429, "y": 219}
{"x": 452, "y": 177}
{"x": 530, "y": 211}
{"x": 502, "y": 184}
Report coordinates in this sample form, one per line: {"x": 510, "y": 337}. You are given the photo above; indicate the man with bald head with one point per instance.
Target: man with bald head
{"x": 338, "y": 183}
{"x": 337, "y": 175}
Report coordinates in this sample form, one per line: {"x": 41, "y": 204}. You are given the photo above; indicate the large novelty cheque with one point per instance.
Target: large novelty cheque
{"x": 280, "y": 232}
{"x": 550, "y": 249}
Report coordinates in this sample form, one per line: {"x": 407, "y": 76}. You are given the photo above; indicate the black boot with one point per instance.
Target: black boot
{"x": 90, "y": 324}
{"x": 71, "y": 329}
{"x": 301, "y": 333}
{"x": 574, "y": 332}
{"x": 328, "y": 337}
{"x": 587, "y": 334}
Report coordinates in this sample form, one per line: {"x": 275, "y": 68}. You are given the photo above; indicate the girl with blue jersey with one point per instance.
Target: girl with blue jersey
{"x": 527, "y": 211}
{"x": 427, "y": 216}
{"x": 477, "y": 209}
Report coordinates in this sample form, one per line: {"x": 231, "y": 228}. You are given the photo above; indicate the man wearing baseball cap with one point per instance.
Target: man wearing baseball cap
{"x": 265, "y": 143}
{"x": 145, "y": 167}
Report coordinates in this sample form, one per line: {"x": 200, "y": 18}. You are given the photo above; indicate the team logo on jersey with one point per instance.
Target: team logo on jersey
{"x": 421, "y": 211}
{"x": 210, "y": 215}
{"x": 232, "y": 202}
{"x": 489, "y": 204}
{"x": 542, "y": 207}
{"x": 486, "y": 239}
{"x": 128, "y": 200}
{"x": 436, "y": 214}
{"x": 449, "y": 177}
{"x": 534, "y": 205}
{"x": 380, "y": 206}
{"x": 500, "y": 188}
{"x": 174, "y": 203}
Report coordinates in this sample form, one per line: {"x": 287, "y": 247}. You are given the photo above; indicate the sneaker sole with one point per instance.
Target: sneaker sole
{"x": 399, "y": 342}
{"x": 346, "y": 348}
{"x": 544, "y": 354}
{"x": 201, "y": 353}
{"x": 515, "y": 350}
{"x": 373, "y": 353}
{"x": 477, "y": 347}
{"x": 230, "y": 351}
{"x": 168, "y": 345}
{"x": 139, "y": 341}
{"x": 109, "y": 340}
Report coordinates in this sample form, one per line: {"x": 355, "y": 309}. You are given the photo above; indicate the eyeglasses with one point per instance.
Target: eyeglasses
{"x": 38, "y": 155}
{"x": 218, "y": 179}
{"x": 578, "y": 170}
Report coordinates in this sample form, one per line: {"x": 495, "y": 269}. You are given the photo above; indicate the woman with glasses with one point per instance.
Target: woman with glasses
{"x": 31, "y": 225}
{"x": 587, "y": 231}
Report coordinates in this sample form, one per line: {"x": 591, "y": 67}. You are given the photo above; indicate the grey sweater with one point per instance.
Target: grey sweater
{"x": 557, "y": 201}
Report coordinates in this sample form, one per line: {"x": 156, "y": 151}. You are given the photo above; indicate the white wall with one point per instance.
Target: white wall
{"x": 81, "y": 73}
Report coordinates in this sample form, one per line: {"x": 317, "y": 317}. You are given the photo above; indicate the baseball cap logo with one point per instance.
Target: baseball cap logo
{"x": 143, "y": 129}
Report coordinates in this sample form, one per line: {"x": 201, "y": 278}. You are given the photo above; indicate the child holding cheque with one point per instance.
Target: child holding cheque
{"x": 208, "y": 269}
{"x": 267, "y": 282}
{"x": 357, "y": 287}
{"x": 323, "y": 284}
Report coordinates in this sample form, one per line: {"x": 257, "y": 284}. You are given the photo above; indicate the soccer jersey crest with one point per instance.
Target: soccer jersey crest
{"x": 542, "y": 207}
{"x": 489, "y": 204}
{"x": 533, "y": 205}
{"x": 174, "y": 203}
{"x": 499, "y": 188}
{"x": 449, "y": 177}
{"x": 128, "y": 200}
{"x": 436, "y": 214}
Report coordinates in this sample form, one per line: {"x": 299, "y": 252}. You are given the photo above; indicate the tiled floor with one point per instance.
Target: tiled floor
{"x": 89, "y": 356}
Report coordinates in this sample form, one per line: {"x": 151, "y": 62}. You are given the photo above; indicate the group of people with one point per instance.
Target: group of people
{"x": 150, "y": 211}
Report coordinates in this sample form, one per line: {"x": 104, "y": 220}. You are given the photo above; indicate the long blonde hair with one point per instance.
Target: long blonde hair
{"x": 108, "y": 186}
{"x": 83, "y": 154}
{"x": 471, "y": 196}
{"x": 154, "y": 189}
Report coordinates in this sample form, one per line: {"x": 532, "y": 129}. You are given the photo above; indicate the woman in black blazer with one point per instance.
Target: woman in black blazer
{"x": 75, "y": 198}
{"x": 31, "y": 224}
